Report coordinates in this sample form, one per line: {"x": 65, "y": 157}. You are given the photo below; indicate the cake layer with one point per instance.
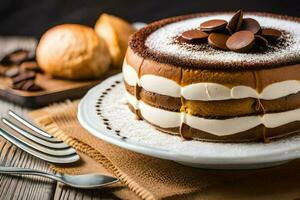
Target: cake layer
{"x": 212, "y": 85}
{"x": 218, "y": 127}
{"x": 158, "y": 42}
{"x": 257, "y": 134}
{"x": 218, "y": 109}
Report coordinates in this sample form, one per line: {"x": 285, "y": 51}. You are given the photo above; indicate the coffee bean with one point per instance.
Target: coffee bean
{"x": 251, "y": 25}
{"x": 12, "y": 72}
{"x": 261, "y": 41}
{"x": 235, "y": 22}
{"x": 271, "y": 34}
{"x": 218, "y": 40}
{"x": 213, "y": 25}
{"x": 194, "y": 36}
{"x": 23, "y": 76}
{"x": 241, "y": 41}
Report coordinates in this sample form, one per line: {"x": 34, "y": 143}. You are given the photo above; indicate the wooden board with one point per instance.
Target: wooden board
{"x": 55, "y": 90}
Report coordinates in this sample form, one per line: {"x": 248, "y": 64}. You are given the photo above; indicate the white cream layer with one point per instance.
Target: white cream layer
{"x": 207, "y": 91}
{"x": 219, "y": 127}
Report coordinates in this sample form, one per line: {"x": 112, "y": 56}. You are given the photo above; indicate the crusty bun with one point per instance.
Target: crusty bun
{"x": 115, "y": 31}
{"x": 72, "y": 51}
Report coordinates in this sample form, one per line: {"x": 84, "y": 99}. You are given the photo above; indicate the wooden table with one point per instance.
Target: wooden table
{"x": 29, "y": 187}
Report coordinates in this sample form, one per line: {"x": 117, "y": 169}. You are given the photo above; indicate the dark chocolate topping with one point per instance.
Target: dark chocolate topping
{"x": 137, "y": 44}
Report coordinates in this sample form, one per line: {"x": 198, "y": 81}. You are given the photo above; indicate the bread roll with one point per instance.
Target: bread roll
{"x": 72, "y": 51}
{"x": 115, "y": 31}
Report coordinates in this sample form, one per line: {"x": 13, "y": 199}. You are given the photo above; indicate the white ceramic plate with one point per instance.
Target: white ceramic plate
{"x": 105, "y": 114}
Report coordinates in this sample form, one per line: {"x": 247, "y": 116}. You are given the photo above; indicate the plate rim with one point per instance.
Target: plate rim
{"x": 286, "y": 154}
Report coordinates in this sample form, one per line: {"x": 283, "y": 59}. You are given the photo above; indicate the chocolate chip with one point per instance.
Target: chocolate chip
{"x": 194, "y": 36}
{"x": 235, "y": 22}
{"x": 261, "y": 41}
{"x": 251, "y": 25}
{"x": 241, "y": 41}
{"x": 271, "y": 34}
{"x": 213, "y": 25}
{"x": 12, "y": 72}
{"x": 218, "y": 40}
{"x": 23, "y": 76}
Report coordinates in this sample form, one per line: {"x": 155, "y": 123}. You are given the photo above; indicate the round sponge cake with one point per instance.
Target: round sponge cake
{"x": 202, "y": 93}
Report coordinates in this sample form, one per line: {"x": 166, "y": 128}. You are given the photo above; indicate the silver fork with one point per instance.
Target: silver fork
{"x": 43, "y": 145}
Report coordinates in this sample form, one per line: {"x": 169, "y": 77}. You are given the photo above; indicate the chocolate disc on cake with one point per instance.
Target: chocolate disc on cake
{"x": 203, "y": 91}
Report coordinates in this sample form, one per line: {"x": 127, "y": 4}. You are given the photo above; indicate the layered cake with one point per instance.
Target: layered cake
{"x": 220, "y": 77}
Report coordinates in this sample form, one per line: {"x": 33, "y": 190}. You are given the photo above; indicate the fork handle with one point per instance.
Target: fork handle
{"x": 24, "y": 171}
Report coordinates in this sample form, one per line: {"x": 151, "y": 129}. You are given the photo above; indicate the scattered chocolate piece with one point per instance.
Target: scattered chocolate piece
{"x": 271, "y": 34}
{"x": 17, "y": 57}
{"x": 23, "y": 76}
{"x": 261, "y": 41}
{"x": 213, "y": 25}
{"x": 30, "y": 66}
{"x": 235, "y": 22}
{"x": 218, "y": 40}
{"x": 19, "y": 85}
{"x": 251, "y": 25}
{"x": 34, "y": 88}
{"x": 194, "y": 36}
{"x": 27, "y": 85}
{"x": 241, "y": 41}
{"x": 12, "y": 72}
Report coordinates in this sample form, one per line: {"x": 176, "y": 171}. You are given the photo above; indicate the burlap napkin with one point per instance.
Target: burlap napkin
{"x": 151, "y": 178}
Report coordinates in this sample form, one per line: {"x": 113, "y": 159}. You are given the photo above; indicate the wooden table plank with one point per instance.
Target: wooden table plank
{"x": 16, "y": 187}
{"x": 65, "y": 193}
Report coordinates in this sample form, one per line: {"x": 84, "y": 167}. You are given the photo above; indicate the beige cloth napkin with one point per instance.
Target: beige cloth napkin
{"x": 151, "y": 178}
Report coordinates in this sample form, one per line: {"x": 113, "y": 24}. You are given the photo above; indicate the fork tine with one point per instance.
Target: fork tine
{"x": 43, "y": 149}
{"x": 34, "y": 138}
{"x": 49, "y": 158}
{"x": 42, "y": 134}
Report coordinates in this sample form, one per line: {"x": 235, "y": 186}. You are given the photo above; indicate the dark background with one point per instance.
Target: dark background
{"x": 33, "y": 17}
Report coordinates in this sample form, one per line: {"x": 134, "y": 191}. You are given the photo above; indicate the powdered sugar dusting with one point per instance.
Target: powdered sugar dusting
{"x": 162, "y": 41}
